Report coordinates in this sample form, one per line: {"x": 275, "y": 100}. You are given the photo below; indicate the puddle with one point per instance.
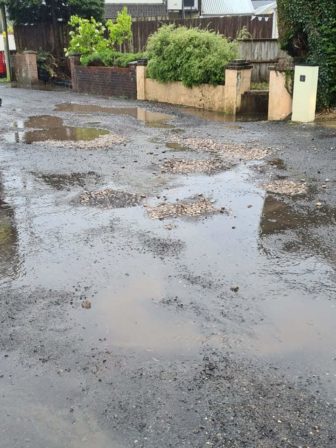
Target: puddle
{"x": 174, "y": 146}
{"x": 277, "y": 216}
{"x": 327, "y": 123}
{"x": 128, "y": 317}
{"x": 48, "y": 127}
{"x": 222, "y": 117}
{"x": 151, "y": 119}
{"x": 109, "y": 198}
{"x": 63, "y": 181}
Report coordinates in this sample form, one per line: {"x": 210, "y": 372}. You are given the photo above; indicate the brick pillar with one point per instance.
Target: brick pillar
{"x": 237, "y": 81}
{"x": 74, "y": 61}
{"x": 141, "y": 79}
{"x": 279, "y": 100}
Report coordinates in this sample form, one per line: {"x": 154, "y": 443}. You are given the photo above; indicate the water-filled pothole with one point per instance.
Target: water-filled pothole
{"x": 151, "y": 119}
{"x": 49, "y": 127}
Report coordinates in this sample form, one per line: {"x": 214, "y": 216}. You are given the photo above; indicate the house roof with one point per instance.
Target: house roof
{"x": 136, "y": 10}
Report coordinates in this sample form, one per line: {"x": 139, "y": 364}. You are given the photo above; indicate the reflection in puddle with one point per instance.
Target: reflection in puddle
{"x": 128, "y": 317}
{"x": 48, "y": 127}
{"x": 278, "y": 216}
{"x": 221, "y": 116}
{"x": 151, "y": 119}
{"x": 176, "y": 146}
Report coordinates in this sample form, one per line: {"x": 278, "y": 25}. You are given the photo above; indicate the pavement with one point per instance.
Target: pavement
{"x": 167, "y": 277}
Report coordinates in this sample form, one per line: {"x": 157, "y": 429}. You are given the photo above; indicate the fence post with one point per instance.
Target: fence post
{"x": 237, "y": 81}
{"x": 74, "y": 60}
{"x": 141, "y": 79}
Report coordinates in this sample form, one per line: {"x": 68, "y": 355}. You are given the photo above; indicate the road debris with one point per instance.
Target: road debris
{"x": 183, "y": 166}
{"x": 190, "y": 207}
{"x": 231, "y": 150}
{"x": 110, "y": 198}
{"x": 102, "y": 142}
{"x": 286, "y": 187}
{"x": 86, "y": 304}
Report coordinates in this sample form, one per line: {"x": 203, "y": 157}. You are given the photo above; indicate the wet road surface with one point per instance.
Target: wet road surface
{"x": 147, "y": 299}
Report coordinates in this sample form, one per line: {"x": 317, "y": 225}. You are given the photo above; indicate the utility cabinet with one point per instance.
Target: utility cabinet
{"x": 305, "y": 93}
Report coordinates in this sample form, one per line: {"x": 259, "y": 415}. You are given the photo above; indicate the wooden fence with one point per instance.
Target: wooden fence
{"x": 262, "y": 53}
{"x": 41, "y": 36}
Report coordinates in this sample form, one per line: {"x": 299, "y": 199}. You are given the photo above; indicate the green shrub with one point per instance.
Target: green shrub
{"x": 87, "y": 36}
{"x": 109, "y": 57}
{"x": 308, "y": 32}
{"x": 192, "y": 56}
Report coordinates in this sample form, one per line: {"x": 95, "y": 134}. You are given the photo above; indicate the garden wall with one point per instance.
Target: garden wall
{"x": 105, "y": 81}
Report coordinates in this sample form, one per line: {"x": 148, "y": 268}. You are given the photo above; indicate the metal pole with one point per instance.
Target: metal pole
{"x": 6, "y": 43}
{"x": 183, "y": 10}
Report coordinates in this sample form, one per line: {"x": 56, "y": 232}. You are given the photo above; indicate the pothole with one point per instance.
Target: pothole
{"x": 190, "y": 207}
{"x": 286, "y": 187}
{"x": 109, "y": 198}
{"x": 49, "y": 128}
{"x": 62, "y": 181}
{"x": 151, "y": 119}
{"x": 231, "y": 150}
{"x": 182, "y": 166}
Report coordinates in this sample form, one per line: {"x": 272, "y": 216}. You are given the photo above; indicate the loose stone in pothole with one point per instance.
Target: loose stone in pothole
{"x": 110, "y": 198}
{"x": 190, "y": 207}
{"x": 182, "y": 166}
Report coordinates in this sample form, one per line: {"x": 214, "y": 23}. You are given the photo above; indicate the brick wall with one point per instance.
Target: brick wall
{"x": 105, "y": 81}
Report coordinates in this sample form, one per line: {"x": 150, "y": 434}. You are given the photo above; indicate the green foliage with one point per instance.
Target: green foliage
{"x": 109, "y": 57}
{"x": 86, "y": 37}
{"x": 34, "y": 11}
{"x": 308, "y": 32}
{"x": 121, "y": 31}
{"x": 244, "y": 33}
{"x": 192, "y": 56}
{"x": 46, "y": 62}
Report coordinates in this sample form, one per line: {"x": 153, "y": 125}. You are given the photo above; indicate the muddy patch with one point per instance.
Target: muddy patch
{"x": 286, "y": 187}
{"x": 109, "y": 198}
{"x": 64, "y": 181}
{"x": 151, "y": 119}
{"x": 277, "y": 163}
{"x": 229, "y": 150}
{"x": 191, "y": 207}
{"x": 182, "y": 166}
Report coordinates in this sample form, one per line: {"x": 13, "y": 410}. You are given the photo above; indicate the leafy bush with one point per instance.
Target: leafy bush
{"x": 109, "y": 57}
{"x": 308, "y": 32}
{"x": 192, "y": 56}
{"x": 88, "y": 36}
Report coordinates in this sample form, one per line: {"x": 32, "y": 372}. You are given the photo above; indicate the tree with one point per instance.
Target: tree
{"x": 53, "y": 11}
{"x": 308, "y": 32}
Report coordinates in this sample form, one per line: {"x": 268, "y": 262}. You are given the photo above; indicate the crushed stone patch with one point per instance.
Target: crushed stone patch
{"x": 190, "y": 207}
{"x": 231, "y": 150}
{"x": 102, "y": 142}
{"x": 286, "y": 187}
{"x": 109, "y": 198}
{"x": 183, "y": 166}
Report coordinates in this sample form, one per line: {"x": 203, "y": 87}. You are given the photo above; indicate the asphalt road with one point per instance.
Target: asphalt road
{"x": 167, "y": 278}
